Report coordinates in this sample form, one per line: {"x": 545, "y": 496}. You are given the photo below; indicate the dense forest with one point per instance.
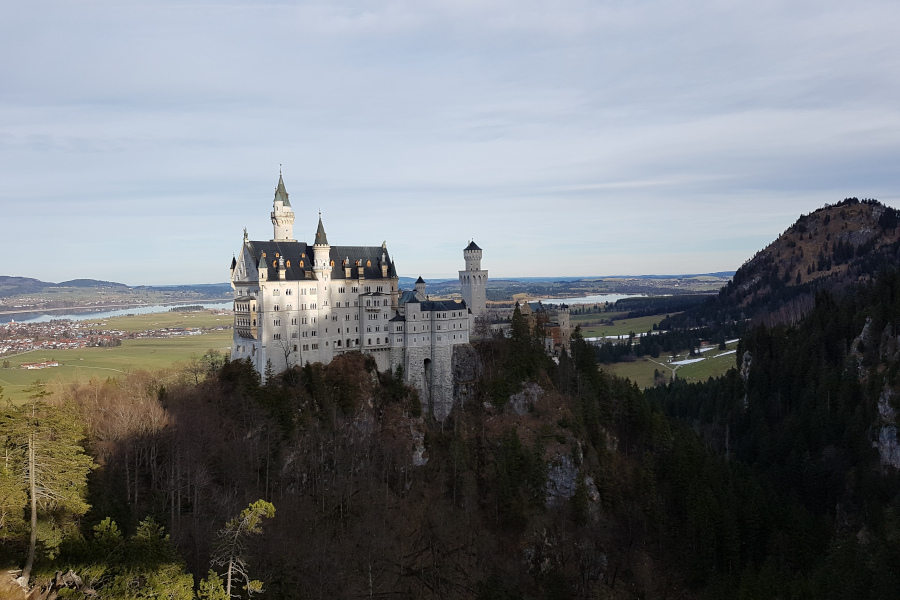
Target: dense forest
{"x": 554, "y": 480}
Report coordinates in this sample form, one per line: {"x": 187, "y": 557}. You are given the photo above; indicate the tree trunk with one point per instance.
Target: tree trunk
{"x": 228, "y": 584}
{"x": 32, "y": 484}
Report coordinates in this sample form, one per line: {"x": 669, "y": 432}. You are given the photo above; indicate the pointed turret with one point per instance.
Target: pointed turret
{"x": 282, "y": 215}
{"x": 321, "y": 249}
{"x": 281, "y": 193}
{"x": 321, "y": 238}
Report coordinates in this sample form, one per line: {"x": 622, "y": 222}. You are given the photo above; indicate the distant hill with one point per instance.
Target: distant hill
{"x": 17, "y": 286}
{"x": 829, "y": 249}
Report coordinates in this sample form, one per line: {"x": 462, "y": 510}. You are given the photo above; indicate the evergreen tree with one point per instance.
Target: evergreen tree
{"x": 43, "y": 446}
{"x": 232, "y": 542}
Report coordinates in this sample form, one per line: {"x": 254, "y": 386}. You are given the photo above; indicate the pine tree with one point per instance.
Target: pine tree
{"x": 232, "y": 541}
{"x": 43, "y": 446}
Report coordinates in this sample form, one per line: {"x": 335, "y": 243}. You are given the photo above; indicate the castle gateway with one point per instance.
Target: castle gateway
{"x": 296, "y": 303}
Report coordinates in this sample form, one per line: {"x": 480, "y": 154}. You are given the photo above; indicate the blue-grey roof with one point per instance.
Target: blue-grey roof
{"x": 472, "y": 246}
{"x": 434, "y": 305}
{"x": 281, "y": 192}
{"x": 321, "y": 238}
{"x": 297, "y": 252}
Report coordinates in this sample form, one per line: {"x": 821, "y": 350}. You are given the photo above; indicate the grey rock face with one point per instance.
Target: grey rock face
{"x": 524, "y": 401}
{"x": 562, "y": 478}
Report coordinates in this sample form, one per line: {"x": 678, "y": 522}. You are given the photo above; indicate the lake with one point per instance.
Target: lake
{"x": 100, "y": 313}
{"x": 595, "y": 299}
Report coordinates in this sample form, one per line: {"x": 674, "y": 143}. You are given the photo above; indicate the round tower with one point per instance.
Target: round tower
{"x": 473, "y": 280}
{"x": 282, "y": 215}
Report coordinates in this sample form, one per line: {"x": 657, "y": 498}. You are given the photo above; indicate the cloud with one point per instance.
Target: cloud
{"x": 644, "y": 133}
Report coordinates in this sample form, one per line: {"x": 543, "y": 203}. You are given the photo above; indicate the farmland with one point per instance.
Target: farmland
{"x": 84, "y": 364}
{"x": 715, "y": 362}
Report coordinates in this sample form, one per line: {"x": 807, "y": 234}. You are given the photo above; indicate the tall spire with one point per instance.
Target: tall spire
{"x": 321, "y": 238}
{"x": 280, "y": 192}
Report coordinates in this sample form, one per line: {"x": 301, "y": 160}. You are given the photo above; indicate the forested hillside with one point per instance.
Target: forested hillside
{"x": 830, "y": 249}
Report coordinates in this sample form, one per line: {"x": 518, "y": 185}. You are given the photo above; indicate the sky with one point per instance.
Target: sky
{"x": 567, "y": 138}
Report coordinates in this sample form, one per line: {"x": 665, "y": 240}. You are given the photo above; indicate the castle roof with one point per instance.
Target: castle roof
{"x": 420, "y": 280}
{"x": 407, "y": 296}
{"x": 321, "y": 238}
{"x": 433, "y": 305}
{"x": 280, "y": 192}
{"x": 267, "y": 252}
{"x": 472, "y": 246}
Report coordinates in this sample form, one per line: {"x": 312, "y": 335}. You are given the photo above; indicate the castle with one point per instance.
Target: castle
{"x": 295, "y": 303}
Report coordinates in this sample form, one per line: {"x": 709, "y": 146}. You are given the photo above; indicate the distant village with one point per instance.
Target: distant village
{"x": 65, "y": 334}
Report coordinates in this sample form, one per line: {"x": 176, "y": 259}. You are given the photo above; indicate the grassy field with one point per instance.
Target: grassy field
{"x": 86, "y": 363}
{"x": 715, "y": 363}
{"x": 621, "y": 325}
{"x": 166, "y": 319}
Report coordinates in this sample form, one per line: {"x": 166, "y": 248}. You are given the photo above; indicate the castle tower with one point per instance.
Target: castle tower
{"x": 321, "y": 249}
{"x": 420, "y": 288}
{"x": 473, "y": 281}
{"x": 282, "y": 215}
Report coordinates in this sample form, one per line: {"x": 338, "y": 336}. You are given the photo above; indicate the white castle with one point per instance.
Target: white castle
{"x": 295, "y": 303}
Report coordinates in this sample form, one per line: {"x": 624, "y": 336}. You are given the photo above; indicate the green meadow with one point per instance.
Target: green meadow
{"x": 641, "y": 371}
{"x": 167, "y": 319}
{"x": 590, "y": 326}
{"x": 85, "y": 364}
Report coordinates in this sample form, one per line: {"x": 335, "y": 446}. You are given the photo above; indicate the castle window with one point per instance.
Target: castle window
{"x": 380, "y": 288}
{"x": 354, "y": 290}
{"x": 313, "y": 306}
{"x": 288, "y": 264}
{"x": 305, "y": 347}
{"x": 368, "y": 263}
{"x": 277, "y": 336}
{"x": 332, "y": 264}
{"x": 385, "y": 303}
{"x": 370, "y": 341}
{"x": 369, "y": 329}
{"x": 301, "y": 263}
{"x": 368, "y": 289}
{"x": 295, "y": 347}
{"x": 315, "y": 346}
{"x": 314, "y": 333}
{"x": 289, "y": 292}
{"x": 346, "y": 317}
{"x": 275, "y": 308}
